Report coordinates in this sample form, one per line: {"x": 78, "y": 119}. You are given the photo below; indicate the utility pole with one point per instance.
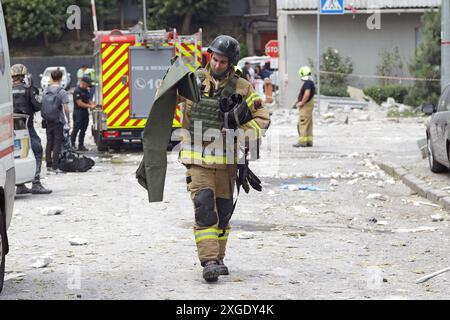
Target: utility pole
{"x": 94, "y": 16}
{"x": 144, "y": 8}
{"x": 445, "y": 43}
{"x": 319, "y": 4}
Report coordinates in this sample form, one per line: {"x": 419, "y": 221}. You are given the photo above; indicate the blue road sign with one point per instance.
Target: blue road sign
{"x": 332, "y": 7}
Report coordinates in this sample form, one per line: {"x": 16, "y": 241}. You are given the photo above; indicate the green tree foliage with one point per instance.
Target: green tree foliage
{"x": 244, "y": 52}
{"x": 27, "y": 19}
{"x": 183, "y": 14}
{"x": 334, "y": 70}
{"x": 103, "y": 9}
{"x": 427, "y": 62}
{"x": 390, "y": 65}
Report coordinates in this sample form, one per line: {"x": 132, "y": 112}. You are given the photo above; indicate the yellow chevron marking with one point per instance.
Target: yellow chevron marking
{"x": 124, "y": 117}
{"x": 115, "y": 102}
{"x": 118, "y": 53}
{"x": 111, "y": 95}
{"x": 116, "y": 113}
{"x": 186, "y": 53}
{"x": 116, "y": 78}
{"x": 108, "y": 51}
{"x": 114, "y": 68}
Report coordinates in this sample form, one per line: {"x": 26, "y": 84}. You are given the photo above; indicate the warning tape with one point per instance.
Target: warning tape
{"x": 380, "y": 77}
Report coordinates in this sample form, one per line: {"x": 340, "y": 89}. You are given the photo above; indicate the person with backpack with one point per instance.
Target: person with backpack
{"x": 81, "y": 104}
{"x": 55, "y": 111}
{"x": 26, "y": 100}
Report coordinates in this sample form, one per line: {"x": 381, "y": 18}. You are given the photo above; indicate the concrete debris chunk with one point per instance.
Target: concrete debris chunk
{"x": 414, "y": 230}
{"x": 135, "y": 234}
{"x": 390, "y": 181}
{"x": 77, "y": 242}
{"x": 335, "y": 175}
{"x": 334, "y": 183}
{"x": 246, "y": 235}
{"x": 377, "y": 196}
{"x": 52, "y": 211}
{"x": 301, "y": 209}
{"x": 437, "y": 218}
{"x": 14, "y": 276}
{"x": 41, "y": 262}
{"x": 354, "y": 155}
{"x": 419, "y": 203}
{"x": 365, "y": 117}
{"x": 328, "y": 116}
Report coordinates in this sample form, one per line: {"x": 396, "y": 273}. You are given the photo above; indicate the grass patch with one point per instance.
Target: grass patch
{"x": 404, "y": 114}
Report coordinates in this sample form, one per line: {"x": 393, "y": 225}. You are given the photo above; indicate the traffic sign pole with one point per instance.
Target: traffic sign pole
{"x": 319, "y": 5}
{"x": 325, "y": 7}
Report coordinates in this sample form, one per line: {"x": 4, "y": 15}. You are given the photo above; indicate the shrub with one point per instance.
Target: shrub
{"x": 334, "y": 92}
{"x": 381, "y": 93}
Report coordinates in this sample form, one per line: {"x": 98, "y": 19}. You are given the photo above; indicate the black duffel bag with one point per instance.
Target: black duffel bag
{"x": 71, "y": 161}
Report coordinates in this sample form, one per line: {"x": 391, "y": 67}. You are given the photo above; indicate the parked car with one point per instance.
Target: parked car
{"x": 45, "y": 77}
{"x": 438, "y": 133}
{"x": 254, "y": 61}
{"x": 259, "y": 61}
{"x": 7, "y": 172}
{"x": 24, "y": 160}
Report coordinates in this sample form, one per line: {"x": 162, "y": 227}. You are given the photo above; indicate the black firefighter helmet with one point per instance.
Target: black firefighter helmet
{"x": 227, "y": 46}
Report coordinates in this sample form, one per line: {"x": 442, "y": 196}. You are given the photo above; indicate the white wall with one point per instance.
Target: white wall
{"x": 350, "y": 35}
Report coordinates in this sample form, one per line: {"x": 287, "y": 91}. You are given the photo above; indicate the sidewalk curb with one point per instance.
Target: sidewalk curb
{"x": 436, "y": 196}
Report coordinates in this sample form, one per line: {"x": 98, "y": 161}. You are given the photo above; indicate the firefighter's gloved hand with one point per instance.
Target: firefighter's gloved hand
{"x": 246, "y": 177}
{"x": 254, "y": 180}
{"x": 242, "y": 177}
{"x": 234, "y": 111}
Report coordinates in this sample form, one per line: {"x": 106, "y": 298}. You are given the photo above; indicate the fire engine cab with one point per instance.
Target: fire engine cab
{"x": 129, "y": 68}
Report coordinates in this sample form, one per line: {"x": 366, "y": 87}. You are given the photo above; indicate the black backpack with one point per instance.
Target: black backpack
{"x": 71, "y": 161}
{"x": 51, "y": 105}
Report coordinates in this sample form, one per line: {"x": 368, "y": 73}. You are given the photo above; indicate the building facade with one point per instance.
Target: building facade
{"x": 362, "y": 33}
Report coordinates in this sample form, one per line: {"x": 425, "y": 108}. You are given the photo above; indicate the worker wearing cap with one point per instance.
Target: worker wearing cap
{"x": 26, "y": 100}
{"x": 305, "y": 104}
{"x": 82, "y": 103}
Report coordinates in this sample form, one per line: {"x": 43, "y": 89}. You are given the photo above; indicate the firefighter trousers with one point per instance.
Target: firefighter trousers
{"x": 212, "y": 194}
{"x": 305, "y": 124}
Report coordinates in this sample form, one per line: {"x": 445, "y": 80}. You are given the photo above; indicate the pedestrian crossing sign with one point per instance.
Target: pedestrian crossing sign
{"x": 332, "y": 7}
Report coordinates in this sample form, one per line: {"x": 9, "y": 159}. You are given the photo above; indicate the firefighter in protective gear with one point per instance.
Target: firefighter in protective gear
{"x": 26, "y": 100}
{"x": 211, "y": 172}
{"x": 305, "y": 104}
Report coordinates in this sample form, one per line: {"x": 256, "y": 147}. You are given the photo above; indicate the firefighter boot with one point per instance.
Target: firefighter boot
{"x": 22, "y": 189}
{"x": 223, "y": 269}
{"x": 211, "y": 271}
{"x": 38, "y": 188}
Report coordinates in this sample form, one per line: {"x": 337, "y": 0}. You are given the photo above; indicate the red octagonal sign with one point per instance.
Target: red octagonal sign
{"x": 272, "y": 48}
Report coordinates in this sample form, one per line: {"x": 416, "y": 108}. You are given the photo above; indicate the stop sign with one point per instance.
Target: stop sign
{"x": 272, "y": 48}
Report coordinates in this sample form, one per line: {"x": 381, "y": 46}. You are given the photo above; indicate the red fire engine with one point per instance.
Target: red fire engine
{"x": 129, "y": 68}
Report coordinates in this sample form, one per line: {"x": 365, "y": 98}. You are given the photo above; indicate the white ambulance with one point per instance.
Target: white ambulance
{"x": 7, "y": 172}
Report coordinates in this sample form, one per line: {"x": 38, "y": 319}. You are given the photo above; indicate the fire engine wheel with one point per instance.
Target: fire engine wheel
{"x": 116, "y": 145}
{"x": 101, "y": 144}
{"x": 94, "y": 134}
{"x": 2, "y": 249}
